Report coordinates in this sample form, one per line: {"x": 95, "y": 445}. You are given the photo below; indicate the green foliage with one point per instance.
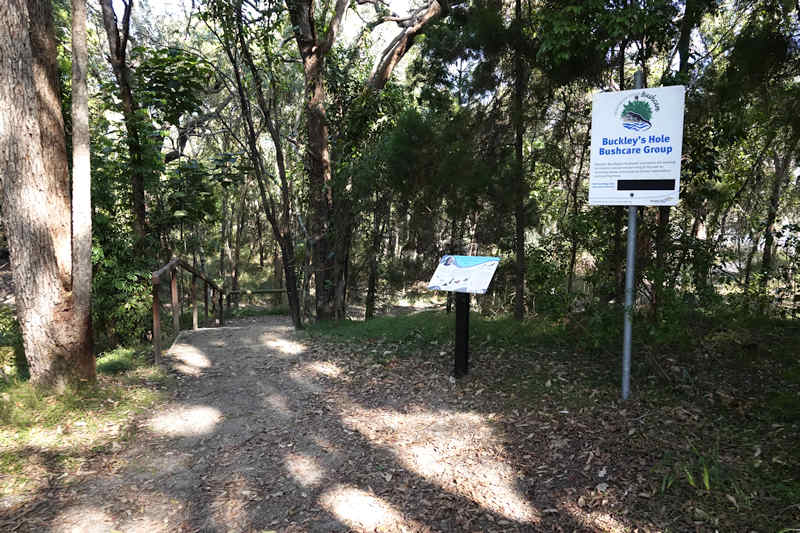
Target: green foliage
{"x": 12, "y": 350}
{"x": 122, "y": 359}
{"x": 121, "y": 297}
{"x": 171, "y": 81}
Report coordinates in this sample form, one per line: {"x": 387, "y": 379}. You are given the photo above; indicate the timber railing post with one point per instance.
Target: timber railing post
{"x": 221, "y": 309}
{"x": 194, "y": 301}
{"x": 172, "y": 268}
{"x": 176, "y": 317}
{"x": 156, "y": 325}
{"x": 205, "y": 308}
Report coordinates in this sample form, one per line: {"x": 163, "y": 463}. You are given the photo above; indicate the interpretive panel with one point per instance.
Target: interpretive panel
{"x": 464, "y": 273}
{"x": 637, "y": 138}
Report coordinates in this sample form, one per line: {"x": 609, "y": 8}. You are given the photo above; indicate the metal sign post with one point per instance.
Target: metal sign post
{"x": 630, "y": 270}
{"x": 637, "y": 137}
{"x": 462, "y": 335}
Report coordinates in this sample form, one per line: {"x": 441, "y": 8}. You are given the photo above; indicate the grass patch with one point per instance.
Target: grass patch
{"x": 438, "y": 327}
{"x": 44, "y": 434}
{"x": 251, "y": 311}
{"x": 121, "y": 360}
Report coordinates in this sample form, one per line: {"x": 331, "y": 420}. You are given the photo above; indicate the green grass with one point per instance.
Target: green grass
{"x": 43, "y": 433}
{"x": 438, "y": 327}
{"x": 251, "y": 311}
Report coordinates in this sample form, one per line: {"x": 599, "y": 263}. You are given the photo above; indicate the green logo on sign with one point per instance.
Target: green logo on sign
{"x": 636, "y": 112}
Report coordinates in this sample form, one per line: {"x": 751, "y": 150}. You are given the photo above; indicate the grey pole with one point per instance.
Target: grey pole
{"x": 629, "y": 279}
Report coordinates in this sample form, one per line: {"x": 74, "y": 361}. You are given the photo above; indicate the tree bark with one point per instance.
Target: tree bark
{"x": 780, "y": 180}
{"x": 403, "y": 42}
{"x": 36, "y": 198}
{"x": 81, "y": 176}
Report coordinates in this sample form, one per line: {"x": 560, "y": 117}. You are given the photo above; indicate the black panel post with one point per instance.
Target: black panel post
{"x": 462, "y": 334}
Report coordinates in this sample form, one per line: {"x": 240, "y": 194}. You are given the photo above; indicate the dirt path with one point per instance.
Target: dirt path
{"x": 268, "y": 431}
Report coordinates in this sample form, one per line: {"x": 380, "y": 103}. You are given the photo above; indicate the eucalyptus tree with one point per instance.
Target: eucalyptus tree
{"x": 315, "y": 33}
{"x": 253, "y": 52}
{"x": 118, "y": 36}
{"x": 37, "y": 201}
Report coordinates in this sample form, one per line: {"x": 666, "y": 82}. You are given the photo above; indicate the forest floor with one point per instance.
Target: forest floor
{"x": 265, "y": 429}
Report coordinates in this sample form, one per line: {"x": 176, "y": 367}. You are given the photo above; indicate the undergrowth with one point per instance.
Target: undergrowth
{"x": 44, "y": 434}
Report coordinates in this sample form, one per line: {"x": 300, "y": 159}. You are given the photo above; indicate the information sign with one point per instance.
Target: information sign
{"x": 636, "y": 147}
{"x": 464, "y": 273}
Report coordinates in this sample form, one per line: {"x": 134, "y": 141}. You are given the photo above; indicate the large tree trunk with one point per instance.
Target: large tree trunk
{"x": 36, "y": 198}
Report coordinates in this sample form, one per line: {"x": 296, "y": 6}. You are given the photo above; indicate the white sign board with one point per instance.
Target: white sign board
{"x": 637, "y": 138}
{"x": 464, "y": 273}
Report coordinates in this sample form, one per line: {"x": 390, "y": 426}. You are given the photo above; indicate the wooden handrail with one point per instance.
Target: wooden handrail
{"x": 172, "y": 268}
{"x": 257, "y": 291}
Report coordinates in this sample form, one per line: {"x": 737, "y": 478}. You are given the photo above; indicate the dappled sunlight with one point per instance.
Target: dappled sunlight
{"x": 363, "y": 511}
{"x": 186, "y": 421}
{"x": 83, "y": 518}
{"x": 228, "y": 508}
{"x": 283, "y": 346}
{"x": 278, "y": 403}
{"x": 188, "y": 359}
{"x": 304, "y": 469}
{"x": 452, "y": 450}
{"x": 596, "y": 520}
{"x": 323, "y": 368}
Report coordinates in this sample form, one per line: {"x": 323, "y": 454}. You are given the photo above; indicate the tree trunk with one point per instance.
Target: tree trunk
{"x": 279, "y": 216}
{"x": 374, "y": 253}
{"x": 81, "y": 177}
{"x": 574, "y": 237}
{"x": 781, "y": 179}
{"x": 521, "y": 193}
{"x": 241, "y": 219}
{"x": 662, "y": 233}
{"x": 223, "y": 237}
{"x": 117, "y": 44}
{"x": 329, "y": 258}
{"x": 618, "y": 212}
{"x": 36, "y": 198}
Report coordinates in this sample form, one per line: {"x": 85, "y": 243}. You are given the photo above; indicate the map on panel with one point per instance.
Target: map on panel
{"x": 464, "y": 273}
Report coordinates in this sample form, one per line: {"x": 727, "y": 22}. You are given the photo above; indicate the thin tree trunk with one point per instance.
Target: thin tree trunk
{"x": 781, "y": 179}
{"x": 618, "y": 212}
{"x": 374, "y": 253}
{"x": 573, "y": 251}
{"x": 81, "y": 177}
{"x": 281, "y": 222}
{"x": 521, "y": 193}
{"x": 117, "y": 43}
{"x": 241, "y": 219}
